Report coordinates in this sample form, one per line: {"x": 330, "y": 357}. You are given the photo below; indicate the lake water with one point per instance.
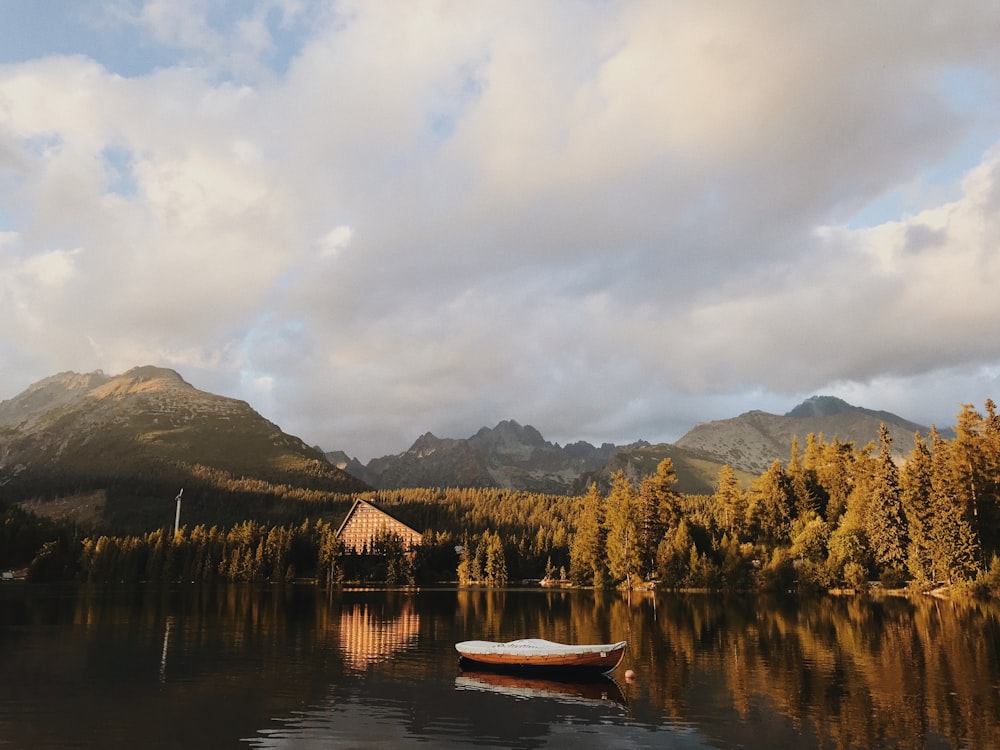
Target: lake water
{"x": 297, "y": 667}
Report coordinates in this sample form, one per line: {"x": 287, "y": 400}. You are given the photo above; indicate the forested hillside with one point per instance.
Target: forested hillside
{"x": 837, "y": 515}
{"x": 109, "y": 453}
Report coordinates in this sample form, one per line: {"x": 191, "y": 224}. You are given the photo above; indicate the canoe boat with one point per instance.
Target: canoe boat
{"x": 536, "y": 654}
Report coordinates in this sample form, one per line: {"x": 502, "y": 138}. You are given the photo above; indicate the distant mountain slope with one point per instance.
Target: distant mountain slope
{"x": 509, "y": 456}
{"x": 90, "y": 431}
{"x": 151, "y": 425}
{"x": 697, "y": 474}
{"x": 754, "y": 440}
{"x": 516, "y": 457}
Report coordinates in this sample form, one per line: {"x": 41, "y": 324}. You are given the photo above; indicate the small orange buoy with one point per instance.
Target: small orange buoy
{"x": 629, "y": 675}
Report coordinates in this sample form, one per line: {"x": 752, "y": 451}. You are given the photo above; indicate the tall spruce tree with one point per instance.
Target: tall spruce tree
{"x": 835, "y": 475}
{"x": 660, "y": 510}
{"x": 769, "y": 506}
{"x": 989, "y": 531}
{"x": 802, "y": 481}
{"x": 977, "y": 442}
{"x": 916, "y": 487}
{"x": 625, "y": 537}
{"x": 884, "y": 520}
{"x": 811, "y": 462}
{"x": 955, "y": 548}
{"x": 586, "y": 555}
{"x": 729, "y": 502}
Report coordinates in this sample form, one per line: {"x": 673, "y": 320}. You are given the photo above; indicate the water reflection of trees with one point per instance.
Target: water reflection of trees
{"x": 854, "y": 672}
{"x": 849, "y": 672}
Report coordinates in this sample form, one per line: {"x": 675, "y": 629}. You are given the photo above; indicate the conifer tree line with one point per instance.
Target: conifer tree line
{"x": 525, "y": 529}
{"x": 247, "y": 552}
{"x": 834, "y": 515}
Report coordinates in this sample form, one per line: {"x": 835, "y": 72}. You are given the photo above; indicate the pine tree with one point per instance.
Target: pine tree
{"x": 464, "y": 571}
{"x": 587, "y": 556}
{"x": 835, "y": 475}
{"x": 769, "y": 506}
{"x": 884, "y": 520}
{"x": 495, "y": 567}
{"x": 977, "y": 444}
{"x": 673, "y": 556}
{"x": 624, "y": 530}
{"x": 955, "y": 549}
{"x": 660, "y": 510}
{"x": 915, "y": 482}
{"x": 329, "y": 569}
{"x": 730, "y": 504}
{"x": 801, "y": 482}
{"x": 989, "y": 529}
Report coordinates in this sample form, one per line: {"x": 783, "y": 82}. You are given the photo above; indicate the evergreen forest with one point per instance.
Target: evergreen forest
{"x": 833, "y": 516}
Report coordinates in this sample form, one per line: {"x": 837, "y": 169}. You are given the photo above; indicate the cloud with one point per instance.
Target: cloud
{"x": 610, "y": 221}
{"x": 335, "y": 241}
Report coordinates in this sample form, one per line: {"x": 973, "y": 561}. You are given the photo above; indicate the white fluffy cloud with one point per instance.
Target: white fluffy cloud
{"x": 607, "y": 220}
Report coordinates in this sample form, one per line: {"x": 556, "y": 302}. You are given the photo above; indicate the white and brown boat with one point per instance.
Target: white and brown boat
{"x": 538, "y": 655}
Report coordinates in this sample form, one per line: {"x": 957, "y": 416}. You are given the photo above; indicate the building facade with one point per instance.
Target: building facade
{"x": 364, "y": 522}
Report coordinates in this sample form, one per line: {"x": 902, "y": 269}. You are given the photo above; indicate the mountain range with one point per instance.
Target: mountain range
{"x": 85, "y": 431}
{"x": 517, "y": 457}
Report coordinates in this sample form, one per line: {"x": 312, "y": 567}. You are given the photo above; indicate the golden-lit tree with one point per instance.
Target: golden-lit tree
{"x": 588, "y": 562}
{"x": 625, "y": 533}
{"x": 660, "y": 510}
{"x": 884, "y": 520}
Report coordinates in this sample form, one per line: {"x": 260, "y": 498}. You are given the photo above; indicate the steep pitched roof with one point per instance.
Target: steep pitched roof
{"x": 364, "y": 521}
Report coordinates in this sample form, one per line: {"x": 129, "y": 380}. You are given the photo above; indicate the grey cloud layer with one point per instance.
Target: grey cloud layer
{"x": 607, "y": 220}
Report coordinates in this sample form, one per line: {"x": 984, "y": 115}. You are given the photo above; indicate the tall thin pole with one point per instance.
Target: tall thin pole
{"x": 177, "y": 517}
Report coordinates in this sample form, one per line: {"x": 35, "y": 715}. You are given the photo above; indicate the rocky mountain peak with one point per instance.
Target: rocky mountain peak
{"x": 820, "y": 406}
{"x": 52, "y": 393}
{"x": 425, "y": 445}
{"x": 510, "y": 439}
{"x": 147, "y": 379}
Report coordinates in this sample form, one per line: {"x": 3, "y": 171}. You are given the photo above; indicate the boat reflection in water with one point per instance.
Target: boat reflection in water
{"x": 594, "y": 690}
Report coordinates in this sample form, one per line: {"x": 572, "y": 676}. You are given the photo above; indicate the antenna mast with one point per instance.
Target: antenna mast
{"x": 177, "y": 517}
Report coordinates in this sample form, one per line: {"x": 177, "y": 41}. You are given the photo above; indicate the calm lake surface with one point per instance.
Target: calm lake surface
{"x": 298, "y": 667}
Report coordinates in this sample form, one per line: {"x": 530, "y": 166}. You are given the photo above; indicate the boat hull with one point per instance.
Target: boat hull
{"x": 536, "y": 655}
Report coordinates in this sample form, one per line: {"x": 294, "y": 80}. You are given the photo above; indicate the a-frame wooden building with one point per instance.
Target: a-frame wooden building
{"x": 364, "y": 522}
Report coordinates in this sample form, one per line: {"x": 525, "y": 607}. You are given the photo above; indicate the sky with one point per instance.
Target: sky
{"x": 610, "y": 220}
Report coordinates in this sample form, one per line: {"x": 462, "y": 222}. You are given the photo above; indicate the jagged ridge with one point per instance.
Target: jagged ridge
{"x": 515, "y": 457}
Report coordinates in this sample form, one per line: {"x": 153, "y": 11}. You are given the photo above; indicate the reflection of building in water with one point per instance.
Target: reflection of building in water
{"x": 364, "y": 522}
{"x": 366, "y": 638}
